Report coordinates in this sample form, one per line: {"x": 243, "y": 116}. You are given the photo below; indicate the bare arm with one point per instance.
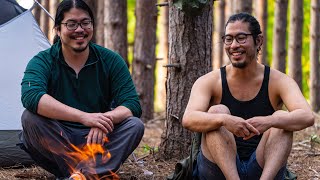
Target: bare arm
{"x": 197, "y": 118}
{"x": 299, "y": 114}
{"x": 51, "y": 108}
{"x": 119, "y": 114}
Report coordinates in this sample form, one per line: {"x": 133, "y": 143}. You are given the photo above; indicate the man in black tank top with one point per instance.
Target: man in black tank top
{"x": 238, "y": 109}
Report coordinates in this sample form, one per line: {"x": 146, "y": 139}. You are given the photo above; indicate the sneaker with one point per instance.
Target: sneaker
{"x": 77, "y": 176}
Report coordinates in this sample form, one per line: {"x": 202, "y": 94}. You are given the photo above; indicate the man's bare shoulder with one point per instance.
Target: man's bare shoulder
{"x": 209, "y": 85}
{"x": 210, "y": 78}
{"x": 277, "y": 77}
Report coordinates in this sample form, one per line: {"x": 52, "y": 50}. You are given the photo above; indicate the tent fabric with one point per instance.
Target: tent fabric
{"x": 20, "y": 39}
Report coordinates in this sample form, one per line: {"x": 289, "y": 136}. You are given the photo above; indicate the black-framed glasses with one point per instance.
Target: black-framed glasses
{"x": 71, "y": 26}
{"x": 240, "y": 38}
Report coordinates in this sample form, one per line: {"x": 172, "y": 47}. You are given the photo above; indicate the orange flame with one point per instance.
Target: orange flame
{"x": 86, "y": 157}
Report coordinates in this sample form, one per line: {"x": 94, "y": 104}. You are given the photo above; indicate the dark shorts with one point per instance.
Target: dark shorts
{"x": 248, "y": 169}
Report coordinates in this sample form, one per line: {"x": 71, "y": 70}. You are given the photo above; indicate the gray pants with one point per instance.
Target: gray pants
{"x": 48, "y": 142}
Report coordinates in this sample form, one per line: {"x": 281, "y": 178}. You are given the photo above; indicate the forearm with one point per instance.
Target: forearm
{"x": 119, "y": 114}
{"x": 198, "y": 121}
{"x": 292, "y": 121}
{"x": 51, "y": 108}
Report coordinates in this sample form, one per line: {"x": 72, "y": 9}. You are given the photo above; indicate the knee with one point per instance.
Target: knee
{"x": 220, "y": 133}
{"x": 137, "y": 125}
{"x": 29, "y": 119}
{"x": 220, "y": 108}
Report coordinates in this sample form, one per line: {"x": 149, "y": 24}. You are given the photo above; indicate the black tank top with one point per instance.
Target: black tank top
{"x": 258, "y": 106}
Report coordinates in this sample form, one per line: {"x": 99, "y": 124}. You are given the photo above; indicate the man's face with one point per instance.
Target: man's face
{"x": 241, "y": 48}
{"x": 75, "y": 39}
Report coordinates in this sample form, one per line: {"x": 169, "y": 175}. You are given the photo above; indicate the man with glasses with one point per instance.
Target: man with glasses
{"x": 238, "y": 110}
{"x": 67, "y": 91}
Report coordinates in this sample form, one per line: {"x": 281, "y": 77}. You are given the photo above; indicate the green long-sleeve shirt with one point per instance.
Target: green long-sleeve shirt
{"x": 104, "y": 78}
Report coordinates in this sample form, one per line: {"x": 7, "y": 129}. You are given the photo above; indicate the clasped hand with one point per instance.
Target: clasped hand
{"x": 246, "y": 128}
{"x": 100, "y": 123}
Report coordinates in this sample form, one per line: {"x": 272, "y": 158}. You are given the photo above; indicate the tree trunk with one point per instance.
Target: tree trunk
{"x": 44, "y": 18}
{"x": 229, "y": 10}
{"x": 315, "y": 55}
{"x": 52, "y": 10}
{"x": 115, "y": 27}
{"x": 163, "y": 54}
{"x": 37, "y": 12}
{"x": 99, "y": 28}
{"x": 243, "y": 6}
{"x": 144, "y": 54}
{"x": 295, "y": 41}
{"x": 262, "y": 16}
{"x": 190, "y": 46}
{"x": 279, "y": 36}
{"x": 94, "y": 6}
{"x": 218, "y": 44}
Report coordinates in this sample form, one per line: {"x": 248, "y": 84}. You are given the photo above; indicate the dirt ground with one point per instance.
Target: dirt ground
{"x": 304, "y": 159}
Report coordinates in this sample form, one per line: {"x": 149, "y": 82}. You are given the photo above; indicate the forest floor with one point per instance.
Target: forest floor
{"x": 304, "y": 159}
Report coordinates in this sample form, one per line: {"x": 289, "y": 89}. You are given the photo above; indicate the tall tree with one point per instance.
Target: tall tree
{"x": 115, "y": 27}
{"x": 93, "y": 4}
{"x": 190, "y": 46}
{"x": 37, "y": 12}
{"x": 279, "y": 36}
{"x": 163, "y": 54}
{"x": 229, "y": 10}
{"x": 44, "y": 18}
{"x": 53, "y": 4}
{"x": 315, "y": 56}
{"x": 295, "y": 41}
{"x": 262, "y": 15}
{"x": 144, "y": 54}
{"x": 243, "y": 6}
{"x": 99, "y": 27}
{"x": 219, "y": 26}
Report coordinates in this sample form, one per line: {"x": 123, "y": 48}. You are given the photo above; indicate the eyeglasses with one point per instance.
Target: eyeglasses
{"x": 71, "y": 26}
{"x": 240, "y": 38}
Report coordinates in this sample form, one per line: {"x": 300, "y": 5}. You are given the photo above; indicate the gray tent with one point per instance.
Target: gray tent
{"x": 20, "y": 39}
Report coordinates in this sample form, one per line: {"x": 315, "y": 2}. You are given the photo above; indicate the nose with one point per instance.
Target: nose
{"x": 79, "y": 28}
{"x": 234, "y": 43}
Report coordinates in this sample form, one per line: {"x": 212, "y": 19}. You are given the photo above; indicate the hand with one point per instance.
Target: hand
{"x": 260, "y": 123}
{"x": 240, "y": 127}
{"x": 96, "y": 136}
{"x": 98, "y": 120}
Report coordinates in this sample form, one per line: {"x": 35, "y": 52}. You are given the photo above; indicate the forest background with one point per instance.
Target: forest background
{"x": 301, "y": 160}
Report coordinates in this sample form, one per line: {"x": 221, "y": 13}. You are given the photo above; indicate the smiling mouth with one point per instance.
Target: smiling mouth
{"x": 79, "y": 37}
{"x": 237, "y": 53}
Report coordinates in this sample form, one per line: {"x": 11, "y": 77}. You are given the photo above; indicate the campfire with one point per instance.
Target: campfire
{"x": 83, "y": 160}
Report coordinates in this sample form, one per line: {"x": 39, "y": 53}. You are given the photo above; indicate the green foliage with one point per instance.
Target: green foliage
{"x": 131, "y": 27}
{"x": 149, "y": 149}
{"x": 305, "y": 59}
{"x": 190, "y": 6}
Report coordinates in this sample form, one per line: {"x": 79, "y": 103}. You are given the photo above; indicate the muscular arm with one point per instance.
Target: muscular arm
{"x": 299, "y": 114}
{"x": 198, "y": 118}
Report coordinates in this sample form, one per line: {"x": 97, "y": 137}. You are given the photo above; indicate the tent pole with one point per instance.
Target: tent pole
{"x": 36, "y": 2}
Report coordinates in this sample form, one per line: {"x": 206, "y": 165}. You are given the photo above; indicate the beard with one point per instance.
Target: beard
{"x": 80, "y": 49}
{"x": 240, "y": 65}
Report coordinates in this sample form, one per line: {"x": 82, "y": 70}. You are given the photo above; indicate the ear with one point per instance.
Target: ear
{"x": 259, "y": 40}
{"x": 57, "y": 31}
